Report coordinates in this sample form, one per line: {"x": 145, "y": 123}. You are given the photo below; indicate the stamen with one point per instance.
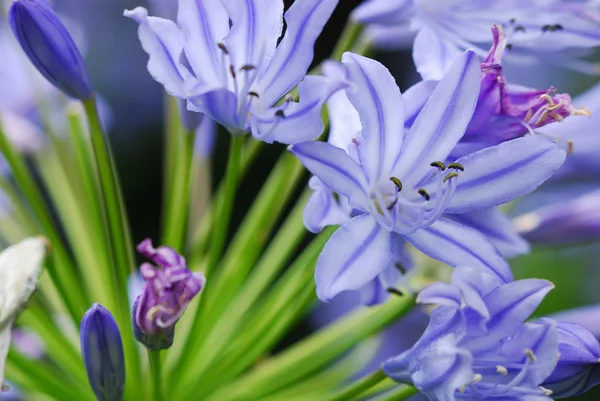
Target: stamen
{"x": 397, "y": 183}
{"x": 223, "y": 48}
{"x": 395, "y": 291}
{"x": 546, "y": 391}
{"x": 424, "y": 194}
{"x": 439, "y": 165}
{"x": 502, "y": 370}
{"x": 519, "y": 28}
{"x": 512, "y": 20}
{"x": 450, "y": 176}
{"x": 552, "y": 28}
{"x": 232, "y": 71}
{"x": 253, "y": 94}
{"x": 288, "y": 98}
{"x": 530, "y": 355}
{"x": 477, "y": 378}
{"x": 280, "y": 114}
{"x": 509, "y": 46}
{"x": 247, "y": 67}
{"x": 456, "y": 166}
{"x": 401, "y": 268}
{"x": 569, "y": 147}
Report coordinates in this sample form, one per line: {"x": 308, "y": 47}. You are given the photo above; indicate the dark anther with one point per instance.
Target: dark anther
{"x": 280, "y": 114}
{"x": 232, "y": 71}
{"x": 509, "y": 46}
{"x": 401, "y": 268}
{"x": 397, "y": 183}
{"x": 253, "y": 94}
{"x": 570, "y": 147}
{"x": 395, "y": 291}
{"x": 512, "y": 20}
{"x": 552, "y": 28}
{"x": 247, "y": 67}
{"x": 450, "y": 176}
{"x": 519, "y": 28}
{"x": 439, "y": 165}
{"x": 424, "y": 194}
{"x": 223, "y": 48}
{"x": 456, "y": 166}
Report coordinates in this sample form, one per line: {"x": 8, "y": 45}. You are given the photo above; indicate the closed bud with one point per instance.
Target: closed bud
{"x": 50, "y": 47}
{"x": 102, "y": 351}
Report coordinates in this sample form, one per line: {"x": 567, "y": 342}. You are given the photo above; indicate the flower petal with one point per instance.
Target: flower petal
{"x": 415, "y": 98}
{"x": 163, "y": 41}
{"x": 305, "y": 21}
{"x": 457, "y": 245}
{"x": 356, "y": 253}
{"x": 376, "y": 97}
{"x": 443, "y": 120}
{"x": 221, "y": 106}
{"x": 433, "y": 53}
{"x": 322, "y": 209}
{"x": 441, "y": 294}
{"x": 336, "y": 169}
{"x": 504, "y": 172}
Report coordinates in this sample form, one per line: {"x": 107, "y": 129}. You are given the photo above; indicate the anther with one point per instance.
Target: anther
{"x": 570, "y": 147}
{"x": 223, "y": 48}
{"x": 502, "y": 370}
{"x": 552, "y": 28}
{"x": 453, "y": 174}
{"x": 424, "y": 194}
{"x": 247, "y": 67}
{"x": 232, "y": 71}
{"x": 456, "y": 166}
{"x": 530, "y": 355}
{"x": 546, "y": 391}
{"x": 509, "y": 46}
{"x": 288, "y": 98}
{"x": 439, "y": 165}
{"x": 395, "y": 291}
{"x": 477, "y": 378}
{"x": 512, "y": 20}
{"x": 519, "y": 28}
{"x": 280, "y": 114}
{"x": 253, "y": 94}
{"x": 401, "y": 268}
{"x": 397, "y": 183}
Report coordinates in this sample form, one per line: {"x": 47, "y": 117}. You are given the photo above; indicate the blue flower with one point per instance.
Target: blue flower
{"x": 477, "y": 346}
{"x": 398, "y": 186}
{"x": 556, "y": 31}
{"x": 50, "y": 47}
{"x": 238, "y": 74}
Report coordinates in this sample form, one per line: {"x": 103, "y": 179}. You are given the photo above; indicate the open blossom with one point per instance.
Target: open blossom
{"x": 557, "y": 31}
{"x": 237, "y": 73}
{"x": 478, "y": 346}
{"x": 399, "y": 186}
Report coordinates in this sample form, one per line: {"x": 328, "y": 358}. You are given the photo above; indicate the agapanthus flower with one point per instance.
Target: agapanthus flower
{"x": 556, "y": 31}
{"x": 169, "y": 288}
{"x": 399, "y": 184}
{"x": 478, "y": 347}
{"x": 227, "y": 59}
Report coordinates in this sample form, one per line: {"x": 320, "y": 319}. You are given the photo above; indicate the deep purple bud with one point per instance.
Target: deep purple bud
{"x": 102, "y": 351}
{"x": 191, "y": 120}
{"x": 169, "y": 287}
{"x": 50, "y": 47}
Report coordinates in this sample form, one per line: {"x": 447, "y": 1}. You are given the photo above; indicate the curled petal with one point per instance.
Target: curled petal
{"x": 322, "y": 209}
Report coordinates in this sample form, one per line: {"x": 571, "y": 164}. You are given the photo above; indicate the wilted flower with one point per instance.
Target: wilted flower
{"x": 169, "y": 287}
{"x": 50, "y": 47}
{"x": 102, "y": 352}
{"x": 398, "y": 185}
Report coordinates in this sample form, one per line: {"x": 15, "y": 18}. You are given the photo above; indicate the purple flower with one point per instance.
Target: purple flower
{"x": 102, "y": 352}
{"x": 398, "y": 186}
{"x": 556, "y": 31}
{"x": 227, "y": 59}
{"x": 477, "y": 345}
{"x": 169, "y": 287}
{"x": 50, "y": 47}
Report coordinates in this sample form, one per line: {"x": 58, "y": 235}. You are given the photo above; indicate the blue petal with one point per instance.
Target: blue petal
{"x": 458, "y": 245}
{"x": 587, "y": 316}
{"x": 415, "y": 98}
{"x": 443, "y": 120}
{"x": 356, "y": 253}
{"x": 205, "y": 24}
{"x": 376, "y": 97}
{"x": 383, "y": 11}
{"x": 221, "y": 106}
{"x": 497, "y": 227}
{"x": 504, "y": 172}
{"x": 433, "y": 53}
{"x": 305, "y": 21}
{"x": 336, "y": 169}
{"x": 322, "y": 209}
{"x": 163, "y": 41}
{"x": 441, "y": 294}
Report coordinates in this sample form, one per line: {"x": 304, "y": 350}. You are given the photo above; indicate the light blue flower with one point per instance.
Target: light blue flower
{"x": 557, "y": 31}
{"x": 238, "y": 74}
{"x": 398, "y": 187}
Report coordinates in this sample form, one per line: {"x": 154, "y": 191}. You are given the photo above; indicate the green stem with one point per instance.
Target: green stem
{"x": 155, "y": 370}
{"x": 221, "y": 226}
{"x": 359, "y": 387}
{"x": 401, "y": 394}
{"x": 350, "y": 36}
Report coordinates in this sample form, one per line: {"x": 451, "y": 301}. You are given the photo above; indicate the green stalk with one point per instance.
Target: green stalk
{"x": 401, "y": 394}
{"x": 156, "y": 373}
{"x": 359, "y": 387}
{"x": 351, "y": 34}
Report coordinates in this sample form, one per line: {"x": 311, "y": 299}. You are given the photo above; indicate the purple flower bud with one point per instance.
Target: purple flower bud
{"x": 50, "y": 47}
{"x": 169, "y": 287}
{"x": 102, "y": 351}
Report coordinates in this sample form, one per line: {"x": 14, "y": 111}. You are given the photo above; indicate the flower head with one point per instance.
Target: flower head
{"x": 169, "y": 287}
{"x": 399, "y": 184}
{"x": 50, "y": 47}
{"x": 226, "y": 59}
{"x": 102, "y": 352}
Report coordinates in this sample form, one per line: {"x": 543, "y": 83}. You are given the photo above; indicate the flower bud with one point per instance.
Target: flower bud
{"x": 102, "y": 352}
{"x": 50, "y": 47}
{"x": 169, "y": 287}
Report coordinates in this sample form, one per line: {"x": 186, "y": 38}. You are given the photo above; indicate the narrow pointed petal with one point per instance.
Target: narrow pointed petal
{"x": 335, "y": 168}
{"x": 356, "y": 253}
{"x": 220, "y": 105}
{"x": 163, "y": 41}
{"x": 586, "y": 316}
{"x": 415, "y": 98}
{"x": 375, "y": 95}
{"x": 457, "y": 245}
{"x": 305, "y": 21}
{"x": 505, "y": 172}
{"x": 205, "y": 23}
{"x": 497, "y": 227}
{"x": 441, "y": 294}
{"x": 443, "y": 120}
{"x": 322, "y": 209}
{"x": 433, "y": 55}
